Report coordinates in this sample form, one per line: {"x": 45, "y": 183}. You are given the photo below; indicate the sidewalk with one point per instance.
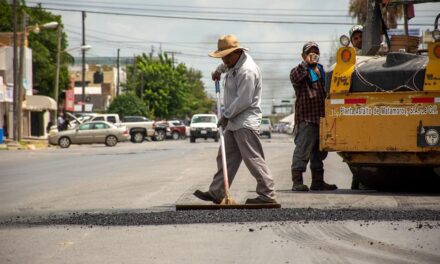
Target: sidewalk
{"x": 25, "y": 144}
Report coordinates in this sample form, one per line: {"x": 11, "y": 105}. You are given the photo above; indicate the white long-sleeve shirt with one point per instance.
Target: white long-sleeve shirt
{"x": 242, "y": 94}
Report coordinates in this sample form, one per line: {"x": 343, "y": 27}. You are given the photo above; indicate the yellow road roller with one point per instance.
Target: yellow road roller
{"x": 382, "y": 113}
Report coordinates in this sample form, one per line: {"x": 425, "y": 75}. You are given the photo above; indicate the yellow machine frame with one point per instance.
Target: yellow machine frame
{"x": 381, "y": 127}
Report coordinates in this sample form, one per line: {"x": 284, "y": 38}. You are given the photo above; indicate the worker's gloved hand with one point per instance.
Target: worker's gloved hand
{"x": 217, "y": 73}
{"x": 223, "y": 122}
{"x": 216, "y": 76}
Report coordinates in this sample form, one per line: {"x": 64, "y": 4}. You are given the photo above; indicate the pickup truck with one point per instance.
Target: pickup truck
{"x": 203, "y": 126}
{"x": 139, "y": 127}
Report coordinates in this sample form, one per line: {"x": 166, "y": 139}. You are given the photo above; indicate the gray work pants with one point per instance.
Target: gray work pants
{"x": 243, "y": 145}
{"x": 307, "y": 148}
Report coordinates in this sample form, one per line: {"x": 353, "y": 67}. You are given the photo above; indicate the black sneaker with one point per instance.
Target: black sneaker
{"x": 205, "y": 196}
{"x": 258, "y": 200}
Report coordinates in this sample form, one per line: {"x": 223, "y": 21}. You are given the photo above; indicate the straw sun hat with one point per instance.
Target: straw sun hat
{"x": 226, "y": 44}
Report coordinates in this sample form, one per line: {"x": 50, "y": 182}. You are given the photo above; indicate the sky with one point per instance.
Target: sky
{"x": 275, "y": 46}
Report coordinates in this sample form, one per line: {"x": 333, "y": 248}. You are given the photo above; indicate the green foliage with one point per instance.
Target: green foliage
{"x": 5, "y": 17}
{"x": 128, "y": 105}
{"x": 43, "y": 45}
{"x": 169, "y": 91}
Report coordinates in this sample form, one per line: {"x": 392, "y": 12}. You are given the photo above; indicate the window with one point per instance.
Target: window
{"x": 98, "y": 118}
{"x": 135, "y": 119}
{"x": 100, "y": 126}
{"x": 85, "y": 127}
{"x": 98, "y": 77}
{"x": 204, "y": 119}
{"x": 111, "y": 119}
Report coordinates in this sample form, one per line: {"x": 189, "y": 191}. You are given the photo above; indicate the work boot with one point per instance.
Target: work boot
{"x": 297, "y": 179}
{"x": 355, "y": 182}
{"x": 318, "y": 183}
{"x": 258, "y": 200}
{"x": 206, "y": 196}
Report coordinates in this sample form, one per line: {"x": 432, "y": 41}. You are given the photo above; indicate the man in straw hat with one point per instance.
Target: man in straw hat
{"x": 241, "y": 120}
{"x": 308, "y": 82}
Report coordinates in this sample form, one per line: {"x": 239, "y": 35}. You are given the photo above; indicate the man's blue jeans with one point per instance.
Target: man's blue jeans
{"x": 307, "y": 148}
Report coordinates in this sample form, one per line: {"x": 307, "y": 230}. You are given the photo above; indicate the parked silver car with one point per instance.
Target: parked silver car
{"x": 90, "y": 133}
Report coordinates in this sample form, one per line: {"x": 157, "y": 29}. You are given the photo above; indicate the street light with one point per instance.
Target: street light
{"x": 57, "y": 74}
{"x": 36, "y": 28}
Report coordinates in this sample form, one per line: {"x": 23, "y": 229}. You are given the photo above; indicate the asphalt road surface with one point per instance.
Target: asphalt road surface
{"x": 95, "y": 204}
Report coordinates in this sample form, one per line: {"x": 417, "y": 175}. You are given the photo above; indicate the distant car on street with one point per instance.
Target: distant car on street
{"x": 266, "y": 127}
{"x": 139, "y": 127}
{"x": 90, "y": 133}
{"x": 175, "y": 129}
{"x": 203, "y": 126}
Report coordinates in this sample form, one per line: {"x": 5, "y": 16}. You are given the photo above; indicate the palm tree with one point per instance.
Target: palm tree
{"x": 358, "y": 9}
{"x": 390, "y": 12}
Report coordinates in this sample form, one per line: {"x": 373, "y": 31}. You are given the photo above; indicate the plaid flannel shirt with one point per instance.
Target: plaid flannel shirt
{"x": 310, "y": 97}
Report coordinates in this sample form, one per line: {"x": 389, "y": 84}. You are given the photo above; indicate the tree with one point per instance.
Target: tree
{"x": 43, "y": 45}
{"x": 128, "y": 105}
{"x": 391, "y": 13}
{"x": 168, "y": 90}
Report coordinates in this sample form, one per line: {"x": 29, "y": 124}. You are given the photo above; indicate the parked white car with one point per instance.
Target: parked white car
{"x": 203, "y": 126}
{"x": 266, "y": 127}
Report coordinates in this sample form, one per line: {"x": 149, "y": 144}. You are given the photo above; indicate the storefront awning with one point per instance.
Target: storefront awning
{"x": 39, "y": 103}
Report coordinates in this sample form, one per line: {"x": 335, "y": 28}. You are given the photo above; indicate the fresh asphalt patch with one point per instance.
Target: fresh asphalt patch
{"x": 223, "y": 216}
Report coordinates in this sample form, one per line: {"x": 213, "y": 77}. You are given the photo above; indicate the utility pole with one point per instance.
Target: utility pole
{"x": 57, "y": 74}
{"x": 405, "y": 19}
{"x": 14, "y": 69}
{"x": 151, "y": 52}
{"x": 372, "y": 30}
{"x": 133, "y": 76}
{"x": 83, "y": 98}
{"x": 172, "y": 55}
{"x": 141, "y": 92}
{"x": 117, "y": 76}
{"x": 20, "y": 77}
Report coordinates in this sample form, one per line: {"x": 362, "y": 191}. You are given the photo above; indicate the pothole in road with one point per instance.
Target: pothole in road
{"x": 131, "y": 153}
{"x": 225, "y": 216}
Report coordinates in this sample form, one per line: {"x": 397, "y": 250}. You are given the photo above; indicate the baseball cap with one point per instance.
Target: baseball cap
{"x": 310, "y": 45}
{"x": 356, "y": 28}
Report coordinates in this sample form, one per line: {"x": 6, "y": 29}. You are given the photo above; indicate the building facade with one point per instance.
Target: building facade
{"x": 36, "y": 110}
{"x": 100, "y": 86}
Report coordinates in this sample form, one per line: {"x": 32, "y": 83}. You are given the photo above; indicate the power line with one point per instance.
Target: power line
{"x": 201, "y": 18}
{"x": 213, "y": 7}
{"x": 198, "y": 7}
{"x": 229, "y": 13}
{"x": 178, "y": 43}
{"x": 218, "y": 19}
{"x": 124, "y": 7}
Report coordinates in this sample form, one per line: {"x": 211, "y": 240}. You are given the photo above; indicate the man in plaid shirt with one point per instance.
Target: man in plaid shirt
{"x": 308, "y": 81}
